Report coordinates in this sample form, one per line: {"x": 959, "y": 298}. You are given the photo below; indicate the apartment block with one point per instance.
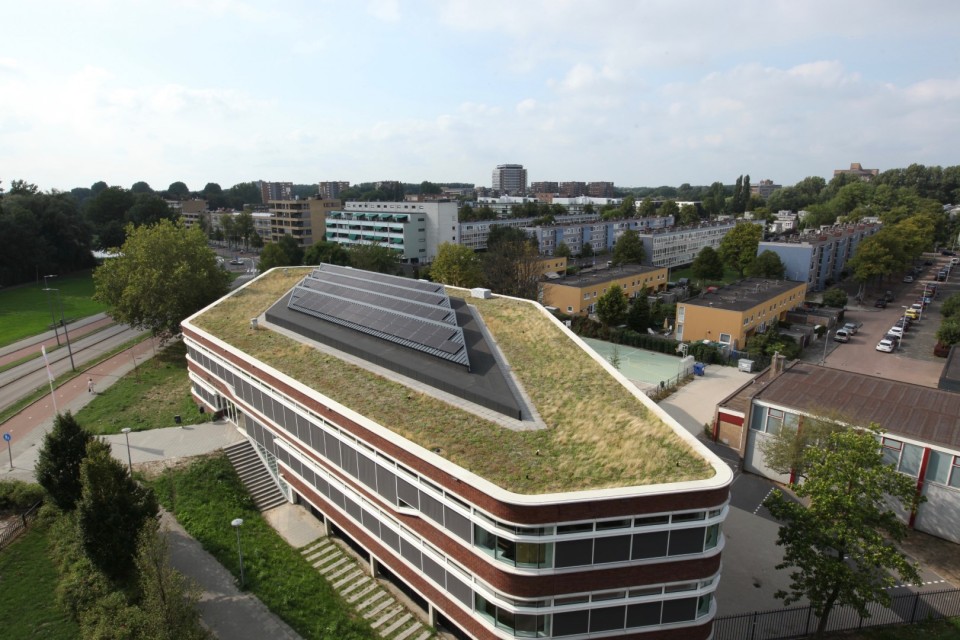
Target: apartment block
{"x": 414, "y": 229}
{"x": 577, "y": 294}
{"x": 510, "y": 179}
{"x": 331, "y": 190}
{"x": 302, "y": 219}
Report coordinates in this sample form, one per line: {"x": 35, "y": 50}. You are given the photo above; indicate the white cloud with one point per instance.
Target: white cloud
{"x": 526, "y": 106}
{"x": 386, "y": 10}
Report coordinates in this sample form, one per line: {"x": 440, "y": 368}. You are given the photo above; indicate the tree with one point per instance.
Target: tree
{"x": 951, "y": 306}
{"x": 141, "y": 187}
{"x": 647, "y": 209}
{"x": 375, "y": 257}
{"x": 835, "y": 297}
{"x": 738, "y": 249}
{"x": 291, "y": 247}
{"x": 111, "y": 511}
{"x": 707, "y": 265}
{"x": 58, "y": 463}
{"x": 689, "y": 214}
{"x": 839, "y": 547}
{"x": 167, "y": 598}
{"x": 178, "y": 191}
{"x": 243, "y": 226}
{"x": 329, "y": 252}
{"x": 272, "y": 256}
{"x": 563, "y": 250}
{"x": 429, "y": 188}
{"x": 638, "y": 317}
{"x": 106, "y": 212}
{"x": 768, "y": 265}
{"x": 784, "y": 452}
{"x": 148, "y": 208}
{"x": 669, "y": 208}
{"x": 511, "y": 265}
{"x": 612, "y": 306}
{"x": 628, "y": 249}
{"x": 949, "y": 332}
{"x": 23, "y": 188}
{"x": 457, "y": 265}
{"x": 256, "y": 241}
{"x": 586, "y": 251}
{"x": 164, "y": 273}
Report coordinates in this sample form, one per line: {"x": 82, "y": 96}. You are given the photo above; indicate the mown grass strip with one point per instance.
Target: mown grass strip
{"x": 205, "y": 497}
{"x": 28, "y": 581}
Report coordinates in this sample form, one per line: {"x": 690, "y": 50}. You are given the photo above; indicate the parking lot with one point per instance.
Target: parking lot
{"x": 913, "y": 361}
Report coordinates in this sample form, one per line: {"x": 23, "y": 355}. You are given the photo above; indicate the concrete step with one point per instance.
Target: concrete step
{"x": 330, "y": 567}
{"x": 409, "y": 631}
{"x": 362, "y": 593}
{"x": 371, "y": 600}
{"x": 424, "y": 635}
{"x": 387, "y": 617}
{"x": 396, "y": 625}
{"x": 346, "y": 579}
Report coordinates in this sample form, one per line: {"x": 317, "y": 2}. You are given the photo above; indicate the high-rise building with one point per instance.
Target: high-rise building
{"x": 510, "y": 179}
{"x": 866, "y": 175}
{"x": 544, "y": 187}
{"x": 414, "y": 229}
{"x": 764, "y": 188}
{"x": 600, "y": 189}
{"x": 303, "y": 219}
{"x": 431, "y": 429}
{"x": 275, "y": 191}
{"x": 331, "y": 190}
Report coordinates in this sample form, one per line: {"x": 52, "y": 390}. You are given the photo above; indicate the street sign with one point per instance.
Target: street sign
{"x": 7, "y": 437}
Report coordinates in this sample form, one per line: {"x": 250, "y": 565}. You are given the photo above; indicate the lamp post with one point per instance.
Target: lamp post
{"x": 826, "y": 341}
{"x": 126, "y": 434}
{"x": 46, "y": 287}
{"x": 235, "y": 523}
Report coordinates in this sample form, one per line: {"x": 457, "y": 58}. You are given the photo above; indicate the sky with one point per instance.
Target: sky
{"x": 638, "y": 92}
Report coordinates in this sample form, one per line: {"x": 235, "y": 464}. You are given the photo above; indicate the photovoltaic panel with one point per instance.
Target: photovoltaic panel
{"x": 408, "y": 312}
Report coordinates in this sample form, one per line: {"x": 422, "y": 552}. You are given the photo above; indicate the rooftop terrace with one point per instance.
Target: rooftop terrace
{"x": 600, "y": 434}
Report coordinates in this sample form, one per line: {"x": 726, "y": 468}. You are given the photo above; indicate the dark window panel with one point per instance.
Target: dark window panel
{"x": 615, "y": 549}
{"x": 574, "y": 553}
{"x": 649, "y": 545}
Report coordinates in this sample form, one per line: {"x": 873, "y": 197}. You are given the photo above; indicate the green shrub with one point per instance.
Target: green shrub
{"x": 17, "y": 496}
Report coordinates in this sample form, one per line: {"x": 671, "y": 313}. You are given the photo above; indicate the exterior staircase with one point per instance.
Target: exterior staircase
{"x": 254, "y": 475}
{"x": 351, "y": 579}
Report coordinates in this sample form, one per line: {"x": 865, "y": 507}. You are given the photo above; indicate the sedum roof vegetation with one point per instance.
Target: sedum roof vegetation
{"x": 598, "y": 435}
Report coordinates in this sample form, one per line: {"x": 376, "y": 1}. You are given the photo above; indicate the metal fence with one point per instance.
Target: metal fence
{"x": 801, "y": 622}
{"x": 18, "y": 525}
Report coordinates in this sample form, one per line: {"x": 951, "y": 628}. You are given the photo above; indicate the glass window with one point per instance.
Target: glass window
{"x": 713, "y": 536}
{"x": 574, "y": 528}
{"x": 650, "y": 521}
{"x": 486, "y": 609}
{"x": 910, "y": 460}
{"x": 607, "y": 618}
{"x": 703, "y": 605}
{"x": 484, "y": 539}
{"x": 613, "y": 524}
{"x": 774, "y": 421}
{"x": 891, "y": 450}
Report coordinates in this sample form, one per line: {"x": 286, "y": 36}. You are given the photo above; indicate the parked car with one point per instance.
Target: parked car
{"x": 927, "y": 299}
{"x": 947, "y": 252}
{"x": 896, "y": 330}
{"x": 852, "y": 327}
{"x": 912, "y": 314}
{"x": 942, "y": 276}
{"x": 918, "y": 306}
{"x": 954, "y": 260}
{"x": 908, "y": 279}
{"x": 881, "y": 303}
{"x": 885, "y": 345}
{"x": 888, "y": 296}
{"x": 842, "y": 335}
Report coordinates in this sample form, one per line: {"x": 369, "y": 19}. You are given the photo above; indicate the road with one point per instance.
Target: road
{"x": 24, "y": 378}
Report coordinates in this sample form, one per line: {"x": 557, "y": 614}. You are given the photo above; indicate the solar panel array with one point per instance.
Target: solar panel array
{"x": 408, "y": 312}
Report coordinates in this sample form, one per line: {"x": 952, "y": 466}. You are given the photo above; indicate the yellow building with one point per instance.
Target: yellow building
{"x": 550, "y": 266}
{"x": 731, "y": 314}
{"x": 304, "y": 219}
{"x": 577, "y": 294}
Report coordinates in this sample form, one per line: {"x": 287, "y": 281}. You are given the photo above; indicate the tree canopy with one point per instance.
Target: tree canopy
{"x": 457, "y": 265}
{"x": 628, "y": 249}
{"x": 840, "y": 547}
{"x": 768, "y": 265}
{"x": 738, "y": 249}
{"x": 329, "y": 252}
{"x": 58, "y": 464}
{"x": 511, "y": 265}
{"x": 164, "y": 273}
{"x": 707, "y": 265}
{"x": 612, "y": 306}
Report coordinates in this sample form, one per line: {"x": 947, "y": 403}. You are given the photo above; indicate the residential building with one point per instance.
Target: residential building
{"x": 669, "y": 246}
{"x": 764, "y": 188}
{"x": 552, "y": 267}
{"x": 188, "y": 210}
{"x": 545, "y": 187}
{"x": 731, "y": 314}
{"x": 415, "y": 229}
{"x": 302, "y": 219}
{"x": 600, "y": 190}
{"x": 331, "y": 190}
{"x": 503, "y": 205}
{"x": 510, "y": 179}
{"x": 578, "y": 294}
{"x": 275, "y": 191}
{"x": 579, "y": 204}
{"x": 819, "y": 256}
{"x": 572, "y": 189}
{"x": 474, "y": 234}
{"x": 865, "y": 175}
{"x": 918, "y": 424}
{"x": 405, "y": 429}
{"x": 601, "y": 235}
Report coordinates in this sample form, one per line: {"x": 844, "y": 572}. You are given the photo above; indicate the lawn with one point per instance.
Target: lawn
{"x": 27, "y": 583}
{"x": 26, "y": 311}
{"x": 205, "y": 496}
{"x": 147, "y": 398}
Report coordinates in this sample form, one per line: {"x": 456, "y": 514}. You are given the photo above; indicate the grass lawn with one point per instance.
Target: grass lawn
{"x": 25, "y": 310}
{"x": 27, "y": 582}
{"x": 205, "y": 496}
{"x": 147, "y": 398}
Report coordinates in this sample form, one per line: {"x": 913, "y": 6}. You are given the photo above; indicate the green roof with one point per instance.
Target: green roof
{"x": 597, "y": 435}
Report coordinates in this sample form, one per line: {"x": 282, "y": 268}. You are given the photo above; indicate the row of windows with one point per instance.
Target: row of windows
{"x": 942, "y": 467}
{"x": 403, "y": 488}
{"x": 646, "y": 606}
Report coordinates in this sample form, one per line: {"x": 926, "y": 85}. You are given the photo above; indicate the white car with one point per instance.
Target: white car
{"x": 885, "y": 345}
{"x": 897, "y": 331}
{"x": 908, "y": 279}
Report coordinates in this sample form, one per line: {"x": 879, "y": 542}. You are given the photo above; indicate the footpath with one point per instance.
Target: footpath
{"x": 228, "y": 612}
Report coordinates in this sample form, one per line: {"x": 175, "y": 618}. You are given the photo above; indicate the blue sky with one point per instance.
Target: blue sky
{"x": 643, "y": 93}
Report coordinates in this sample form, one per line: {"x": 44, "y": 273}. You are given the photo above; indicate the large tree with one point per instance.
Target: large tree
{"x": 457, "y": 265}
{"x": 738, "y": 249}
{"x": 840, "y": 548}
{"x": 329, "y": 252}
{"x": 58, "y": 462}
{"x": 612, "y": 306}
{"x": 375, "y": 257}
{"x": 669, "y": 208}
{"x": 628, "y": 248}
{"x": 511, "y": 265}
{"x": 111, "y": 511}
{"x": 707, "y": 265}
{"x": 768, "y": 265}
{"x": 688, "y": 214}
{"x": 107, "y": 214}
{"x": 639, "y": 317}
{"x": 164, "y": 273}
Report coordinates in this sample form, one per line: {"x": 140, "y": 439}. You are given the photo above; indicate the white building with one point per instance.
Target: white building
{"x": 415, "y": 229}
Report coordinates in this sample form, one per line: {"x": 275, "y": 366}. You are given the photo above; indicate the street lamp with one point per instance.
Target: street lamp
{"x": 126, "y": 434}
{"x": 46, "y": 287}
{"x": 826, "y": 340}
{"x": 62, "y": 321}
{"x": 235, "y": 523}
